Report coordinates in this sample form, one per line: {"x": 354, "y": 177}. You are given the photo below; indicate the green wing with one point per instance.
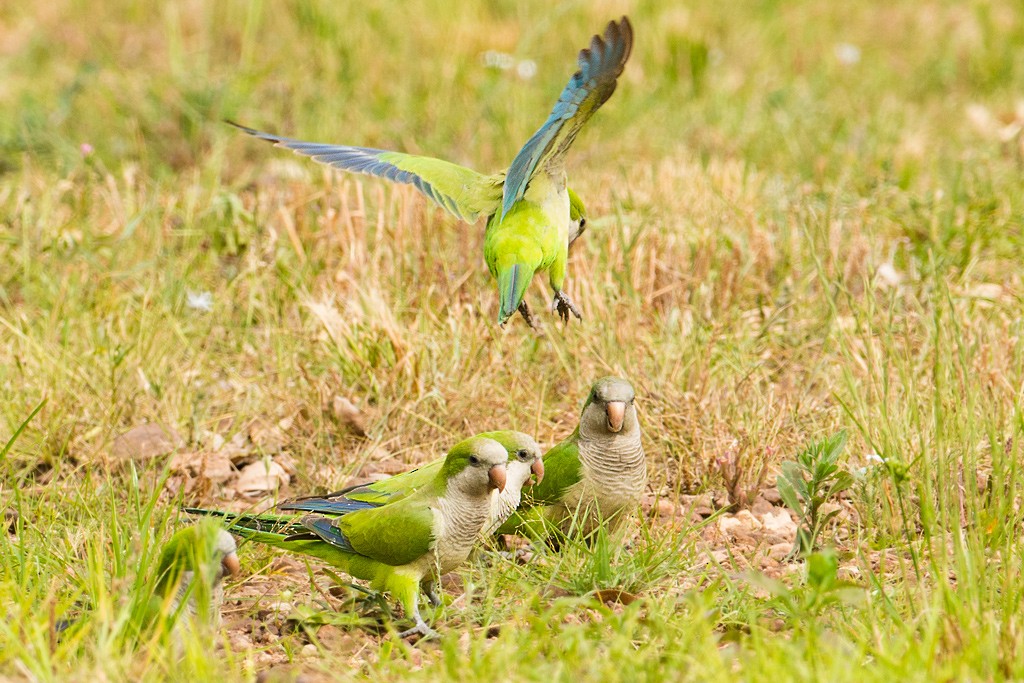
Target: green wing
{"x": 589, "y": 88}
{"x": 396, "y": 487}
{"x": 562, "y": 469}
{"x": 394, "y": 534}
{"x": 460, "y": 191}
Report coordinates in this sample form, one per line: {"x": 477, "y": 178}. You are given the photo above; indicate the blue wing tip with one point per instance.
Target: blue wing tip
{"x": 611, "y": 49}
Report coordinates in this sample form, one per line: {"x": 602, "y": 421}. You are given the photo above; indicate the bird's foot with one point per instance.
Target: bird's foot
{"x": 563, "y": 305}
{"x": 432, "y": 597}
{"x": 524, "y": 310}
{"x": 420, "y": 628}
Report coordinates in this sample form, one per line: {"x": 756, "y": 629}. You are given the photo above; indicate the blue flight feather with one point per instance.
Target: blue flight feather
{"x": 600, "y": 65}
{"x": 324, "y": 528}
{"x": 326, "y": 507}
{"x": 359, "y": 160}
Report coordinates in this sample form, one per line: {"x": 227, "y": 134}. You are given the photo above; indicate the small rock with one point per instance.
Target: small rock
{"x": 728, "y": 525}
{"x": 703, "y": 499}
{"x": 659, "y": 507}
{"x": 668, "y": 510}
{"x": 647, "y": 504}
{"x": 308, "y": 650}
{"x": 743, "y": 537}
{"x": 748, "y": 520}
{"x": 780, "y": 524}
{"x": 346, "y": 413}
{"x": 772, "y": 496}
{"x": 146, "y": 442}
{"x": 780, "y": 551}
{"x": 240, "y": 642}
{"x": 217, "y": 468}
{"x": 336, "y": 641}
{"x": 261, "y": 477}
{"x": 828, "y": 508}
{"x": 761, "y": 506}
{"x": 849, "y": 572}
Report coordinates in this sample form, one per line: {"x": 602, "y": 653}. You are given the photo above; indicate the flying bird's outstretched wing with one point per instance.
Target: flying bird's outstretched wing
{"x": 589, "y": 88}
{"x": 460, "y": 191}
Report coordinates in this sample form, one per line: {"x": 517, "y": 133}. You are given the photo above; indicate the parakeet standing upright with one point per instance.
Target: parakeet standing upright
{"x": 532, "y": 216}
{"x": 596, "y": 476}
{"x": 187, "y": 584}
{"x": 524, "y": 460}
{"x": 403, "y": 544}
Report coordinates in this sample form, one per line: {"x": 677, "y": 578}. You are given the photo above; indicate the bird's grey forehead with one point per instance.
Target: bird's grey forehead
{"x": 225, "y": 543}
{"x": 491, "y": 452}
{"x": 525, "y": 442}
{"x": 613, "y": 389}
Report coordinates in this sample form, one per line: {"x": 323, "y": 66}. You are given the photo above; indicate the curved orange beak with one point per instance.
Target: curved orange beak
{"x": 231, "y": 564}
{"x": 616, "y": 414}
{"x": 497, "y": 477}
{"x": 538, "y": 470}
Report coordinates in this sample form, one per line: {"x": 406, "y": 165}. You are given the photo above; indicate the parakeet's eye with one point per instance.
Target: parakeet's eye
{"x": 473, "y": 460}
{"x": 522, "y": 454}
{"x": 583, "y": 223}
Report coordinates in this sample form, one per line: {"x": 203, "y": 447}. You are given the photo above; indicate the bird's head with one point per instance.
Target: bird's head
{"x": 475, "y": 467}
{"x": 609, "y": 408}
{"x": 206, "y": 549}
{"x": 524, "y": 456}
{"x": 577, "y": 216}
{"x": 225, "y": 550}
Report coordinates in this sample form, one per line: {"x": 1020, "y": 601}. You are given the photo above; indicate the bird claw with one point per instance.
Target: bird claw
{"x": 432, "y": 597}
{"x": 563, "y": 305}
{"x": 524, "y": 310}
{"x": 420, "y": 628}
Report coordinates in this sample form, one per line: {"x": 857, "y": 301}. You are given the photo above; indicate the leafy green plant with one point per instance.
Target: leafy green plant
{"x": 810, "y": 481}
{"x": 822, "y": 589}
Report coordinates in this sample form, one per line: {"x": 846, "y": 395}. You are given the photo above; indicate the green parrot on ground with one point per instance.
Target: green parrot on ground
{"x": 402, "y": 545}
{"x": 532, "y": 216}
{"x": 594, "y": 477}
{"x": 187, "y": 584}
{"x": 524, "y": 460}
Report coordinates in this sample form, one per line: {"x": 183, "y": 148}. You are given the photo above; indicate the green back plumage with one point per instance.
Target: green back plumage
{"x": 402, "y": 485}
{"x": 562, "y": 469}
{"x": 515, "y": 248}
{"x": 395, "y": 534}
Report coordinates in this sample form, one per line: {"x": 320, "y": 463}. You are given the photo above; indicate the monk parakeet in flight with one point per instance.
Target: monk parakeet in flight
{"x": 402, "y": 545}
{"x": 187, "y": 583}
{"x": 595, "y": 476}
{"x": 524, "y": 460}
{"x": 531, "y": 215}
